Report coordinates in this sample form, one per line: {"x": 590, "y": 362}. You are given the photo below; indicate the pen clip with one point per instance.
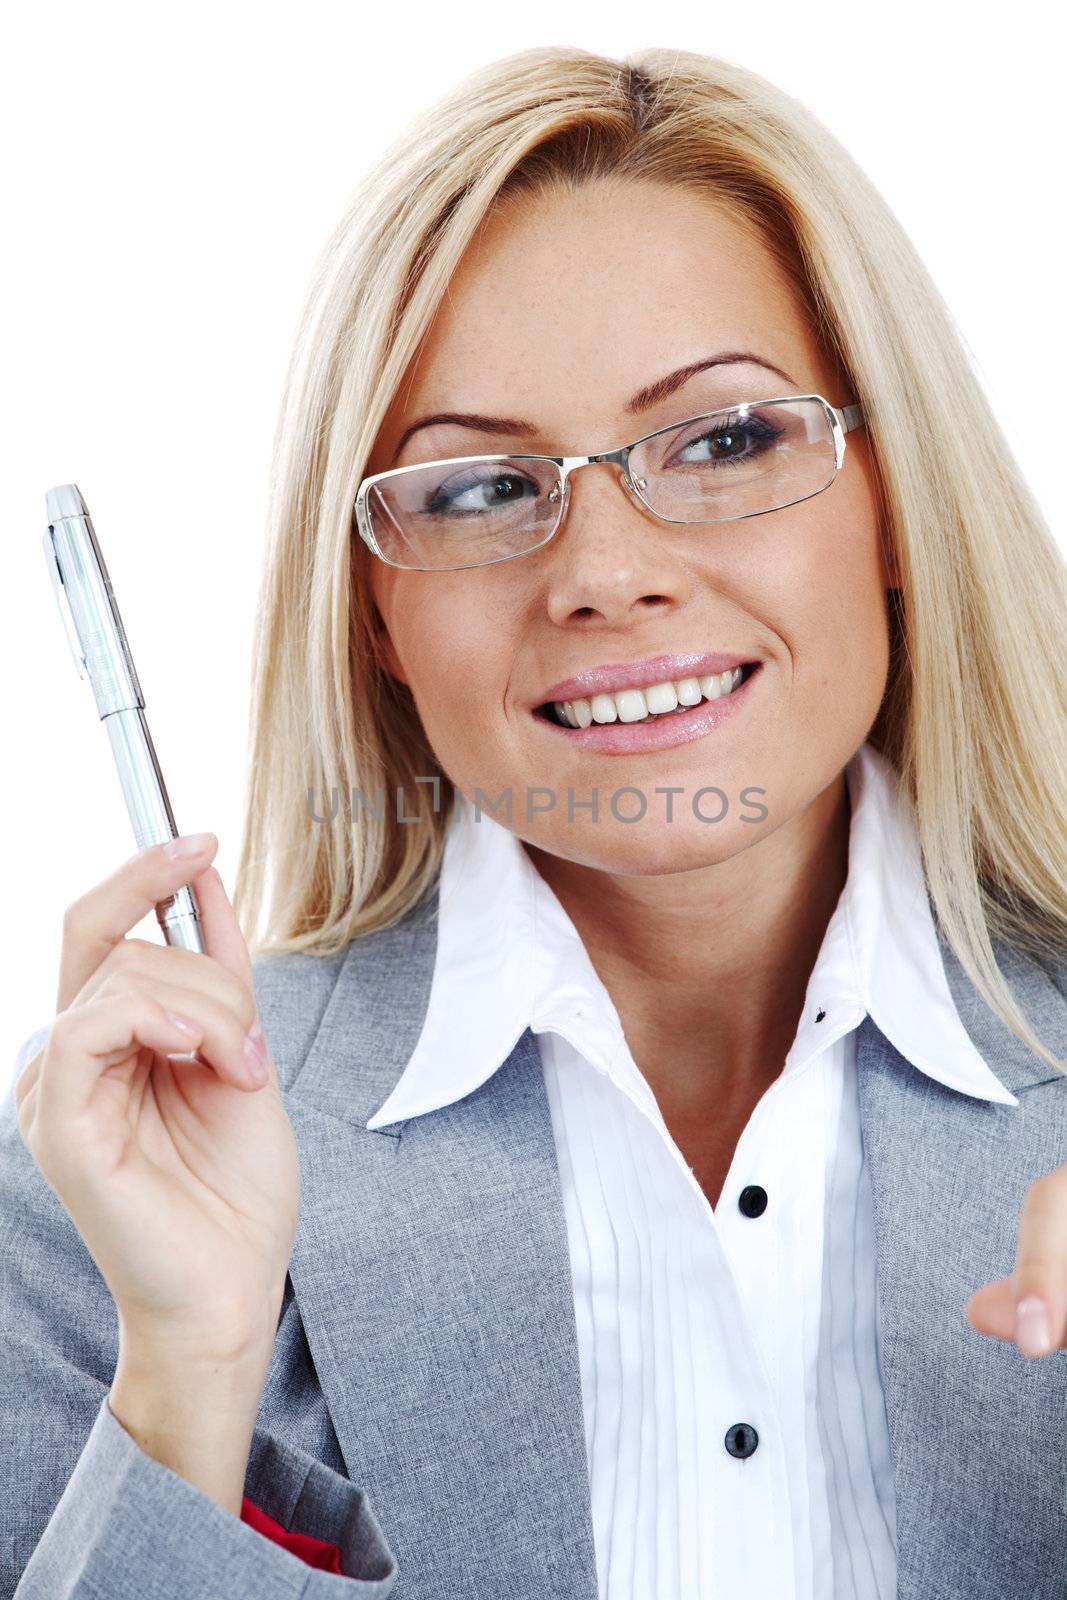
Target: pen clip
{"x": 63, "y": 603}
{"x": 87, "y": 603}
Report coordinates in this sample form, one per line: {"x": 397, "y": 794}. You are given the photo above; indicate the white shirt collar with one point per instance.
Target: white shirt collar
{"x": 509, "y": 957}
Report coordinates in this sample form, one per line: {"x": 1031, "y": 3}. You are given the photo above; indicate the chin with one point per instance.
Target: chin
{"x": 651, "y": 847}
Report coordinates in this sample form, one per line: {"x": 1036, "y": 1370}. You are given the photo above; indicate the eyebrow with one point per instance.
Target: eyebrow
{"x": 643, "y": 400}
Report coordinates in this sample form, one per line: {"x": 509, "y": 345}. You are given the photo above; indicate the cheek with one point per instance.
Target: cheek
{"x": 849, "y": 638}
{"x": 825, "y": 598}
{"x": 454, "y": 646}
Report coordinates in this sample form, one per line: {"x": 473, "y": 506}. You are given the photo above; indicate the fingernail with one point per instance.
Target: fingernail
{"x": 1033, "y": 1334}
{"x": 184, "y": 1024}
{"x": 189, "y": 844}
{"x": 256, "y": 1053}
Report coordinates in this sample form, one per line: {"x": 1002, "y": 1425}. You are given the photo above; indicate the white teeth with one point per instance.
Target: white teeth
{"x": 637, "y": 705}
{"x": 631, "y": 704}
{"x": 661, "y": 697}
{"x": 604, "y": 708}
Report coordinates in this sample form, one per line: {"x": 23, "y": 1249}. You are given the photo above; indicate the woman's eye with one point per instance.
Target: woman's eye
{"x": 730, "y": 442}
{"x": 727, "y": 443}
{"x": 480, "y": 493}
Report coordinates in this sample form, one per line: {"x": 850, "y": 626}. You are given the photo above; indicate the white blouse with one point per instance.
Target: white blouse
{"x": 734, "y": 1417}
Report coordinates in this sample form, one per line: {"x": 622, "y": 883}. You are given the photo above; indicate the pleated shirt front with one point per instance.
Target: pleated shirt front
{"x": 735, "y": 1423}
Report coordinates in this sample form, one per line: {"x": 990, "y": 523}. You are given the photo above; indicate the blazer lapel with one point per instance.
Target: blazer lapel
{"x": 432, "y": 1272}
{"x": 433, "y": 1276}
{"x": 975, "y": 1429}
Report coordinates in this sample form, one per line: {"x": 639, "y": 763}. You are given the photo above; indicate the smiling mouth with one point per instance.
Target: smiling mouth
{"x": 669, "y": 699}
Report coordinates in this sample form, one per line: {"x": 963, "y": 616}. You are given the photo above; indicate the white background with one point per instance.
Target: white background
{"x": 171, "y": 174}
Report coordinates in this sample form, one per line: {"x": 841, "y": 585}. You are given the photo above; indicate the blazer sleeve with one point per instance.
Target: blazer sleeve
{"x": 85, "y": 1513}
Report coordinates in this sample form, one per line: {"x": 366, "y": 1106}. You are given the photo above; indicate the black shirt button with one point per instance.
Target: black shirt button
{"x": 741, "y": 1439}
{"x": 752, "y": 1200}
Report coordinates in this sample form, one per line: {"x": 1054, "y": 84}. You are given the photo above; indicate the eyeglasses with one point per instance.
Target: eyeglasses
{"x": 473, "y": 511}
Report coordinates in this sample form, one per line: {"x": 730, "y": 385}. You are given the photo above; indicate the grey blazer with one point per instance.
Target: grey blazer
{"x": 423, "y": 1408}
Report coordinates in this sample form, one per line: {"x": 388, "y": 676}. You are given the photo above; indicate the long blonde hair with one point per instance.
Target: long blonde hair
{"x": 976, "y": 705}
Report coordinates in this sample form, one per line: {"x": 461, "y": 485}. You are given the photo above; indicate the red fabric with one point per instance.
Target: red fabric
{"x": 316, "y": 1552}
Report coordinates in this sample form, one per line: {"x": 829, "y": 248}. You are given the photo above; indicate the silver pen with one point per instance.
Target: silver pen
{"x": 101, "y": 652}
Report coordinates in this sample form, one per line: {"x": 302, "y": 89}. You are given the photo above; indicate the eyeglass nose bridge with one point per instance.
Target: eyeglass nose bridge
{"x": 619, "y": 458}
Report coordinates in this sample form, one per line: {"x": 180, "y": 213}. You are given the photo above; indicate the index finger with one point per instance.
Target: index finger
{"x": 94, "y": 924}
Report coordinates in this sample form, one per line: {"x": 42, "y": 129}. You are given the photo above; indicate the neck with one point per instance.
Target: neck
{"x": 708, "y": 969}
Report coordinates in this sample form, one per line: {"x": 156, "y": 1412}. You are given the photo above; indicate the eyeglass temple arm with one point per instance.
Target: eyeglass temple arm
{"x": 850, "y": 416}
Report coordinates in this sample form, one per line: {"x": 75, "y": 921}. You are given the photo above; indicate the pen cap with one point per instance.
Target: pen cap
{"x": 86, "y": 602}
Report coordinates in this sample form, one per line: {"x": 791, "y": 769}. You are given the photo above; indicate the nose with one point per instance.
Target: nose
{"x": 610, "y": 557}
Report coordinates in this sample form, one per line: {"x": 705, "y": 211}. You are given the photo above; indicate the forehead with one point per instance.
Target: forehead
{"x": 562, "y": 307}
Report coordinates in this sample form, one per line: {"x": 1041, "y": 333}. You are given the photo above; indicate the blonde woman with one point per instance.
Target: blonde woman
{"x": 651, "y": 1181}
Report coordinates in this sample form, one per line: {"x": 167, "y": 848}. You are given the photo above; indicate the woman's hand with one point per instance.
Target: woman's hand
{"x": 182, "y": 1176}
{"x": 1030, "y": 1307}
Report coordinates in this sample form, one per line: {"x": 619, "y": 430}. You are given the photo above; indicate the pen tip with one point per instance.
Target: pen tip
{"x": 65, "y": 501}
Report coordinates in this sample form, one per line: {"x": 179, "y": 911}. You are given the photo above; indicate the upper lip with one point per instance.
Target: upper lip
{"x": 615, "y": 676}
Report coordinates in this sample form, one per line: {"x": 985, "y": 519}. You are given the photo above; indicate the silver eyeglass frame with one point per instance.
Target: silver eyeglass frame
{"x": 842, "y": 420}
